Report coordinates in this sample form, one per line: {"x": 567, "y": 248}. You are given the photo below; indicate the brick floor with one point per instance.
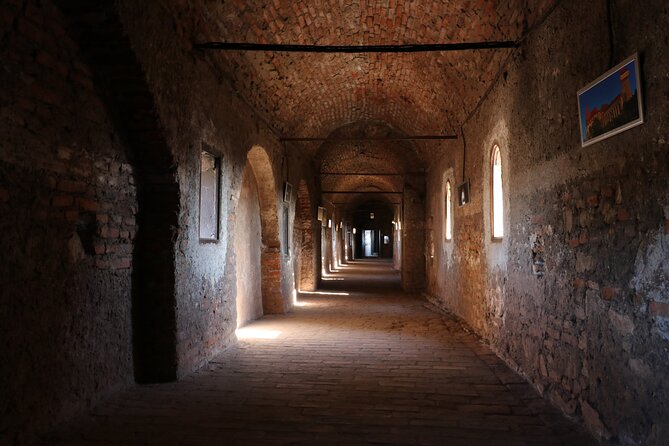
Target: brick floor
{"x": 370, "y": 365}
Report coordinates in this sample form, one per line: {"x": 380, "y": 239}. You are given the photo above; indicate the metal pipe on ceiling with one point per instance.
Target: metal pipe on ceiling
{"x": 364, "y": 174}
{"x": 356, "y": 49}
{"x": 358, "y": 192}
{"x": 371, "y": 138}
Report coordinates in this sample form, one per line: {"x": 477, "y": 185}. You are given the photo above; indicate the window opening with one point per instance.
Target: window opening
{"x": 448, "y": 213}
{"x": 497, "y": 195}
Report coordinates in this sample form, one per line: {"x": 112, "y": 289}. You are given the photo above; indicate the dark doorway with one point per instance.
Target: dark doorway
{"x": 373, "y": 237}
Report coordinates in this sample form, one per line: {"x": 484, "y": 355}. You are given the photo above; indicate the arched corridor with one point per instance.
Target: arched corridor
{"x": 357, "y": 362}
{"x": 360, "y": 222}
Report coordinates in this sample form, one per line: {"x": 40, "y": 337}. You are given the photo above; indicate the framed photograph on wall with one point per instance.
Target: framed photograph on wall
{"x": 611, "y": 103}
{"x": 287, "y": 192}
{"x": 209, "y": 197}
{"x": 463, "y": 193}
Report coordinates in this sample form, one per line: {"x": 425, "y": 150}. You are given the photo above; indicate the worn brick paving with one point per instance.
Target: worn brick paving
{"x": 362, "y": 363}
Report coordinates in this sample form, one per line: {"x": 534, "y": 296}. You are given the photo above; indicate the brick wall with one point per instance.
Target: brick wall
{"x": 68, "y": 205}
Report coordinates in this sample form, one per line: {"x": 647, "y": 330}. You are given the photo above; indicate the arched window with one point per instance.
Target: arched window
{"x": 448, "y": 212}
{"x": 497, "y": 198}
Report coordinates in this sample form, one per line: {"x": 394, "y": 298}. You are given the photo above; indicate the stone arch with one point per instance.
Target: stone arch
{"x": 305, "y": 239}
{"x": 248, "y": 249}
{"x": 270, "y": 258}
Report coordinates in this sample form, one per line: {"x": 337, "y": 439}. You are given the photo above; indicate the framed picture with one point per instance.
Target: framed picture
{"x": 209, "y": 197}
{"x": 611, "y": 103}
{"x": 322, "y": 213}
{"x": 463, "y": 193}
{"x": 287, "y": 192}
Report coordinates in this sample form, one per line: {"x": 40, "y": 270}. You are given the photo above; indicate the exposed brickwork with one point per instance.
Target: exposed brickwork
{"x": 99, "y": 168}
{"x": 68, "y": 203}
{"x": 411, "y": 92}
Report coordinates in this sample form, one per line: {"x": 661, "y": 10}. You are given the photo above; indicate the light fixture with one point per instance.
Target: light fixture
{"x": 371, "y": 215}
{"x": 355, "y": 231}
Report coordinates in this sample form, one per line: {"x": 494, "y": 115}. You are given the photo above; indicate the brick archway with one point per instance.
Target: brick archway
{"x": 270, "y": 258}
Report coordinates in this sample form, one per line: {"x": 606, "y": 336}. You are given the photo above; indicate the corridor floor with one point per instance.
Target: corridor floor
{"x": 357, "y": 363}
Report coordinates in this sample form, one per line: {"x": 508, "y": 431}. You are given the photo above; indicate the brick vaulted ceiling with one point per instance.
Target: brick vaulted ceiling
{"x": 314, "y": 95}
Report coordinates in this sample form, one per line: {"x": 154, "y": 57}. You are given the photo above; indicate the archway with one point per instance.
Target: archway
{"x": 357, "y": 165}
{"x": 270, "y": 257}
{"x": 248, "y": 247}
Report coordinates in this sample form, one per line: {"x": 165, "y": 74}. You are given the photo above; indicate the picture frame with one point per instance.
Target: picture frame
{"x": 287, "y": 192}
{"x": 322, "y": 213}
{"x": 463, "y": 193}
{"x": 612, "y": 103}
{"x": 210, "y": 167}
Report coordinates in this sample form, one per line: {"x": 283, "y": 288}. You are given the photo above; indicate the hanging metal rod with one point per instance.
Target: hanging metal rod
{"x": 372, "y": 138}
{"x": 358, "y": 192}
{"x": 362, "y": 174}
{"x": 411, "y": 48}
{"x": 348, "y": 203}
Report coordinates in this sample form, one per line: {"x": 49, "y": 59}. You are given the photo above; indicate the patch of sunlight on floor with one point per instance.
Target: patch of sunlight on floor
{"x": 256, "y": 333}
{"x": 325, "y": 293}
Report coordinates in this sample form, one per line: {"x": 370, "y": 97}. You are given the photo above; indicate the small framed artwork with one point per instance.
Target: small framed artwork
{"x": 287, "y": 192}
{"x": 463, "y": 193}
{"x": 611, "y": 103}
{"x": 209, "y": 197}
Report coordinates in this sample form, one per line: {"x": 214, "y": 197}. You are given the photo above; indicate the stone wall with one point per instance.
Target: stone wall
{"x": 575, "y": 295}
{"x": 68, "y": 204}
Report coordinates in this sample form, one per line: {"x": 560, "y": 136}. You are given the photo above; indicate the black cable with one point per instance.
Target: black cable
{"x": 609, "y": 14}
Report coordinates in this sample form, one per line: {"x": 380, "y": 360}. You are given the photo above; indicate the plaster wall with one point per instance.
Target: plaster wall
{"x": 248, "y": 246}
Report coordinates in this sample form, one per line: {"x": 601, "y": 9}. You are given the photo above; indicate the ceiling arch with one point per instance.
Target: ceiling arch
{"x": 311, "y": 95}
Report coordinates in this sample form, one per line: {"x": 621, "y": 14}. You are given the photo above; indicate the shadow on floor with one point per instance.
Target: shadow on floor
{"x": 361, "y": 363}
{"x": 362, "y": 275}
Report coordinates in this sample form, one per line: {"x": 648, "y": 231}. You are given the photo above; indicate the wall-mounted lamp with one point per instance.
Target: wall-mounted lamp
{"x": 355, "y": 231}
{"x": 371, "y": 215}
{"x": 329, "y": 223}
